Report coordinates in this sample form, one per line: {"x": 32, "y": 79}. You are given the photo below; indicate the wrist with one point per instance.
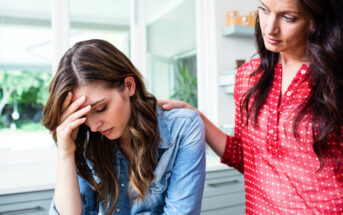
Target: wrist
{"x": 65, "y": 154}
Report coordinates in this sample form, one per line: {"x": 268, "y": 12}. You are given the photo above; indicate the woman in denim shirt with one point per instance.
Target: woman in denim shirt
{"x": 118, "y": 153}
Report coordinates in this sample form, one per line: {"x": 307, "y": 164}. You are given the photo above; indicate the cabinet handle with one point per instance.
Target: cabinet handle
{"x": 21, "y": 211}
{"x": 223, "y": 183}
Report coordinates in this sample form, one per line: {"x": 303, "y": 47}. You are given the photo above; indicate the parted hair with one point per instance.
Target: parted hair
{"x": 325, "y": 54}
{"x": 98, "y": 61}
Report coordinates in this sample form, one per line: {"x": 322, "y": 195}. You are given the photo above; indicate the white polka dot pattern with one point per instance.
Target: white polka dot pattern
{"x": 281, "y": 173}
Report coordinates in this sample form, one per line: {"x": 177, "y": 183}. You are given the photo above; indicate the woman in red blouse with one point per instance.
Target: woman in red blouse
{"x": 289, "y": 111}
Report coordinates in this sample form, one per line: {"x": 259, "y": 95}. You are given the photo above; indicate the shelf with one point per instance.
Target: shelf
{"x": 240, "y": 31}
{"x": 227, "y": 81}
{"x": 227, "y": 78}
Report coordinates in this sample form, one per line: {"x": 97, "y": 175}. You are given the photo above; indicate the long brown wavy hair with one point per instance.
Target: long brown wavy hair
{"x": 325, "y": 53}
{"x": 97, "y": 61}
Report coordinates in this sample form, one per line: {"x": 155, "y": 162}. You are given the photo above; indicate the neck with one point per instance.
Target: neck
{"x": 295, "y": 57}
{"x": 287, "y": 60}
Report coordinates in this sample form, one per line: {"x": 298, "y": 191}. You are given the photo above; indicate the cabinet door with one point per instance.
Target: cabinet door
{"x": 39, "y": 207}
{"x": 223, "y": 193}
{"x": 29, "y": 203}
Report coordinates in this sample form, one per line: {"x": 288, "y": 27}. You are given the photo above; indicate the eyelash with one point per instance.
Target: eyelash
{"x": 289, "y": 19}
{"x": 101, "y": 110}
{"x": 263, "y": 9}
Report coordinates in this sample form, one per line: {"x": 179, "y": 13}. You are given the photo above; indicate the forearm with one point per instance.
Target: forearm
{"x": 215, "y": 138}
{"x": 67, "y": 192}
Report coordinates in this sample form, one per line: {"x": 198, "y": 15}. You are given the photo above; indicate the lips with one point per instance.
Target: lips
{"x": 106, "y": 132}
{"x": 272, "y": 41}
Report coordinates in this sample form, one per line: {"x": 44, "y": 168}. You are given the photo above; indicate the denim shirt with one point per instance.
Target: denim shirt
{"x": 179, "y": 175}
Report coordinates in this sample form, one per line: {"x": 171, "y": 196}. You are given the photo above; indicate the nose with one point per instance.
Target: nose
{"x": 271, "y": 25}
{"x": 94, "y": 124}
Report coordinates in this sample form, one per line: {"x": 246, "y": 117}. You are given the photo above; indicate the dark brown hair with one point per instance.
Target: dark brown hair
{"x": 325, "y": 53}
{"x": 97, "y": 61}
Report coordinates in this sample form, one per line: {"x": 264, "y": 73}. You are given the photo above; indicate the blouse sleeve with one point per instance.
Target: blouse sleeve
{"x": 233, "y": 154}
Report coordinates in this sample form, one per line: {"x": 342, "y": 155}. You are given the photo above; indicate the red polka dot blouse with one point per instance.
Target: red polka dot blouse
{"x": 280, "y": 173}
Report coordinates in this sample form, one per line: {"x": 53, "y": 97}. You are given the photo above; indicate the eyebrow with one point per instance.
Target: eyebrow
{"x": 97, "y": 102}
{"x": 286, "y": 11}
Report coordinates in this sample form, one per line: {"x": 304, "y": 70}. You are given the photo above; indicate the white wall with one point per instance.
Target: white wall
{"x": 229, "y": 49}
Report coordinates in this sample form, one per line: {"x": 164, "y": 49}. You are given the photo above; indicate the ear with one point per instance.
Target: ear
{"x": 130, "y": 84}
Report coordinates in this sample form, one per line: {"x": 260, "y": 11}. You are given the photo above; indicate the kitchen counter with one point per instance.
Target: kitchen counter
{"x": 32, "y": 175}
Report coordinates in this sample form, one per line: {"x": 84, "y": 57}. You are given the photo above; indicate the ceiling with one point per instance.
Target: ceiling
{"x": 107, "y": 11}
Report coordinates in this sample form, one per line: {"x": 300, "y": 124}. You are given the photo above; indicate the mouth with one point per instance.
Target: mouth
{"x": 106, "y": 132}
{"x": 272, "y": 41}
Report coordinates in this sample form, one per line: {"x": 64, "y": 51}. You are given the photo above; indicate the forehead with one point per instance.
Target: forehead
{"x": 92, "y": 92}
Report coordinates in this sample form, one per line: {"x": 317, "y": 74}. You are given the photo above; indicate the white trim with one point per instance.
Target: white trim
{"x": 60, "y": 30}
{"x": 138, "y": 36}
{"x": 206, "y": 59}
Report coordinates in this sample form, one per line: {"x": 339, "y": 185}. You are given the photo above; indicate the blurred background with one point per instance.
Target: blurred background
{"x": 185, "y": 49}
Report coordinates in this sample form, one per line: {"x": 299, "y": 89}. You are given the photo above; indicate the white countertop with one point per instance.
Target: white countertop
{"x": 25, "y": 171}
{"x": 213, "y": 163}
{"x": 33, "y": 175}
{"x": 27, "y": 177}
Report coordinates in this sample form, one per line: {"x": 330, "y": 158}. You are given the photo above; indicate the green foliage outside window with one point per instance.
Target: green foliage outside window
{"x": 186, "y": 87}
{"x": 24, "y": 92}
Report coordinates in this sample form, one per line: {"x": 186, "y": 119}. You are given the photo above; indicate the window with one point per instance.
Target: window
{"x": 25, "y": 71}
{"x": 102, "y": 19}
{"x": 171, "y": 41}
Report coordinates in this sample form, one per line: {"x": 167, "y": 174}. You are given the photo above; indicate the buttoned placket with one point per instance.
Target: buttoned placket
{"x": 273, "y": 119}
{"x": 122, "y": 175}
{"x": 276, "y": 105}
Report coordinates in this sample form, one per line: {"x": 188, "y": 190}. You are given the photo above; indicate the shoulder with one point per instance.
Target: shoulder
{"x": 177, "y": 123}
{"x": 244, "y": 81}
{"x": 179, "y": 114}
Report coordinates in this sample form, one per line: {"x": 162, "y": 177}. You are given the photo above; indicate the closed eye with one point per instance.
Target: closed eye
{"x": 289, "y": 19}
{"x": 101, "y": 110}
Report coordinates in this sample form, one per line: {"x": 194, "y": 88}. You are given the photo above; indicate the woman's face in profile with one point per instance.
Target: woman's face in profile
{"x": 110, "y": 109}
{"x": 284, "y": 26}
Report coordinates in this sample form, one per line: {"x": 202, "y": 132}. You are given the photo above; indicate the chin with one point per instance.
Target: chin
{"x": 272, "y": 48}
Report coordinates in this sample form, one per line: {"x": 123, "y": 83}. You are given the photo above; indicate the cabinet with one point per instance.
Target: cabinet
{"x": 28, "y": 203}
{"x": 223, "y": 193}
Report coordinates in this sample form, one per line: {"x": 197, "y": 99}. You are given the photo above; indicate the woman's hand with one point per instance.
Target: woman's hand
{"x": 169, "y": 104}
{"x": 72, "y": 117}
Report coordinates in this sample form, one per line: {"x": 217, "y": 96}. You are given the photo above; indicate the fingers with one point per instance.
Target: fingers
{"x": 168, "y": 104}
{"x": 78, "y": 114}
{"x": 73, "y": 107}
{"x": 76, "y": 123}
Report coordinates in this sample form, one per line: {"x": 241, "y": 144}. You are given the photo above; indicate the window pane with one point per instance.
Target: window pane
{"x": 171, "y": 42}
{"x": 25, "y": 72}
{"x": 103, "y": 19}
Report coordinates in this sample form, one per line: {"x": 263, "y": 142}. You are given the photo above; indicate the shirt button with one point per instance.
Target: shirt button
{"x": 271, "y": 131}
{"x": 122, "y": 185}
{"x": 303, "y": 72}
{"x": 118, "y": 209}
{"x": 275, "y": 111}
{"x": 289, "y": 93}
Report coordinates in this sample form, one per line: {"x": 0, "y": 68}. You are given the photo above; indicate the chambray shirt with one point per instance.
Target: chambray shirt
{"x": 177, "y": 187}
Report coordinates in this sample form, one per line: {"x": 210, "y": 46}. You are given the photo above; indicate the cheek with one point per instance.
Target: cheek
{"x": 120, "y": 113}
{"x": 294, "y": 35}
